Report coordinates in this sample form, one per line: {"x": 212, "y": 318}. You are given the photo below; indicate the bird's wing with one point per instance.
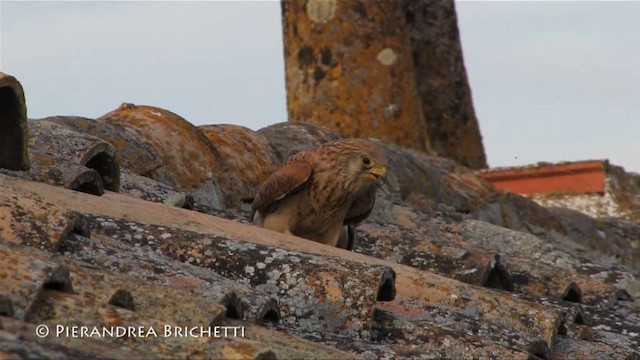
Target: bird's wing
{"x": 286, "y": 180}
{"x": 361, "y": 207}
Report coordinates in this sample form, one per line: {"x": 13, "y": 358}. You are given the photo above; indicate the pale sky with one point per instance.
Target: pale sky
{"x": 551, "y": 81}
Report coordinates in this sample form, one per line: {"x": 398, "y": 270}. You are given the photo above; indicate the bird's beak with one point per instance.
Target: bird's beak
{"x": 378, "y": 170}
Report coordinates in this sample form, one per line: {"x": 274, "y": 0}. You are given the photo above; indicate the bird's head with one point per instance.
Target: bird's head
{"x": 370, "y": 168}
{"x": 366, "y": 163}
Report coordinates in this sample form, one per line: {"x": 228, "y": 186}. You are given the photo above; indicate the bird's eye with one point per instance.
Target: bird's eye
{"x": 366, "y": 161}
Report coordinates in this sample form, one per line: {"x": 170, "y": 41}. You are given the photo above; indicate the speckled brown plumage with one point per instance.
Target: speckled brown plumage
{"x": 316, "y": 193}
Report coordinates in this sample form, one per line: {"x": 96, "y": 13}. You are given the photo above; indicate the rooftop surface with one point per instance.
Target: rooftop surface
{"x": 139, "y": 219}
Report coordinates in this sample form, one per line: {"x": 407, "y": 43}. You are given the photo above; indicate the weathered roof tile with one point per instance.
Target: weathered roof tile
{"x": 26, "y": 219}
{"x": 522, "y": 245}
{"x": 22, "y": 280}
{"x": 442, "y": 291}
{"x": 14, "y": 131}
{"x": 287, "y": 138}
{"x": 603, "y": 239}
{"x": 432, "y": 251}
{"x": 60, "y": 141}
{"x": 568, "y": 348}
{"x": 18, "y": 340}
{"x": 449, "y": 335}
{"x": 117, "y": 258}
{"x": 148, "y": 189}
{"x": 61, "y": 172}
{"x": 81, "y": 282}
{"x": 145, "y": 263}
{"x": 186, "y": 160}
{"x": 248, "y": 160}
{"x": 314, "y": 293}
{"x": 89, "y": 304}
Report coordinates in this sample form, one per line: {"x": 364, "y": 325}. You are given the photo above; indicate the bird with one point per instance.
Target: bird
{"x": 321, "y": 193}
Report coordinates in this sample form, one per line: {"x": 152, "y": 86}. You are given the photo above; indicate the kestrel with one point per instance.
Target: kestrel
{"x": 317, "y": 193}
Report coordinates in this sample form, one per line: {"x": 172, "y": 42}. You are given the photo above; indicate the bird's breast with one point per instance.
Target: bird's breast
{"x": 324, "y": 207}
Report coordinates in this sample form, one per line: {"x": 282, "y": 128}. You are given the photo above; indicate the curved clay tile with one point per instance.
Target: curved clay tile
{"x": 288, "y": 138}
{"x": 314, "y": 294}
{"x": 606, "y": 237}
{"x": 143, "y": 262}
{"x": 154, "y": 306}
{"x": 104, "y": 158}
{"x": 424, "y": 181}
{"x": 14, "y": 134}
{"x": 148, "y": 189}
{"x": 50, "y": 137}
{"x": 107, "y": 162}
{"x": 94, "y": 293}
{"x": 57, "y": 171}
{"x": 427, "y": 323}
{"x": 27, "y": 220}
{"x": 550, "y": 281}
{"x": 536, "y": 258}
{"x": 438, "y": 246}
{"x": 570, "y": 348}
{"x": 435, "y": 252}
{"x": 411, "y": 284}
{"x": 462, "y": 317}
{"x": 618, "y": 325}
{"x": 134, "y": 155}
{"x": 165, "y": 147}
{"x": 22, "y": 280}
{"x": 516, "y": 212}
{"x": 248, "y": 160}
{"x": 462, "y": 341}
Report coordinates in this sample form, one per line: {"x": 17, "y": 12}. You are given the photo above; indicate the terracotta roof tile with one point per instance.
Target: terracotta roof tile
{"x": 145, "y": 263}
{"x": 144, "y": 188}
{"x": 86, "y": 298}
{"x": 187, "y": 160}
{"x": 600, "y": 283}
{"x": 318, "y": 294}
{"x": 433, "y": 250}
{"x": 59, "y": 141}
{"x": 61, "y": 172}
{"x": 14, "y": 136}
{"x": 248, "y": 159}
{"x": 415, "y": 286}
